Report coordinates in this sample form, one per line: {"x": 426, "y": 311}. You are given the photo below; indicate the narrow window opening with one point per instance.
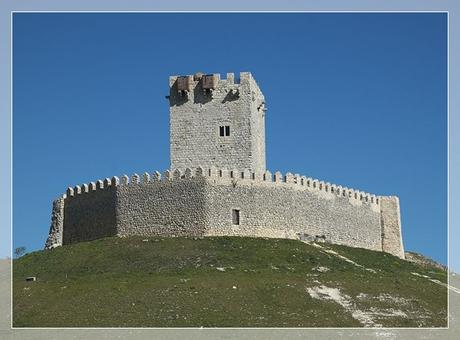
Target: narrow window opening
{"x": 236, "y": 216}
{"x": 224, "y": 131}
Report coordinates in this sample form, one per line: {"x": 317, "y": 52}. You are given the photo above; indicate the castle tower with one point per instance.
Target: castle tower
{"x": 217, "y": 122}
{"x": 220, "y": 123}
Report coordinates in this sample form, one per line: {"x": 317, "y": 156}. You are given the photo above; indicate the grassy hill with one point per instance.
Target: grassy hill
{"x": 224, "y": 282}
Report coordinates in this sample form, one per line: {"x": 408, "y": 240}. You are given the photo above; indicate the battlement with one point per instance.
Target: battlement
{"x": 201, "y": 88}
{"x": 229, "y": 177}
{"x": 208, "y": 81}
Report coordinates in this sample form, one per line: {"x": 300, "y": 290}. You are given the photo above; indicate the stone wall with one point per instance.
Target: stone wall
{"x": 258, "y": 111}
{"x": 202, "y": 202}
{"x": 89, "y": 212}
{"x": 283, "y": 211}
{"x": 57, "y": 223}
{"x": 151, "y": 206}
{"x": 289, "y": 206}
{"x": 391, "y": 226}
{"x": 196, "y": 114}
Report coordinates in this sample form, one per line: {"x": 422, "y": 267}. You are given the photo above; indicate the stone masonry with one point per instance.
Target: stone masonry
{"x": 219, "y": 186}
{"x": 198, "y": 113}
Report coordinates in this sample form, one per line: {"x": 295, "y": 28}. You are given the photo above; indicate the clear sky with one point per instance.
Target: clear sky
{"x": 358, "y": 100}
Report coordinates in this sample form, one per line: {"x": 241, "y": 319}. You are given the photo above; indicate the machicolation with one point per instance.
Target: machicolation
{"x": 218, "y": 184}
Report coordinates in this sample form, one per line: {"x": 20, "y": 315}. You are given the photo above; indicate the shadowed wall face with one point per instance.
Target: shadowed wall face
{"x": 90, "y": 215}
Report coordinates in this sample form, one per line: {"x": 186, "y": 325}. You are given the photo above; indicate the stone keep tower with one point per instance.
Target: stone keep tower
{"x": 217, "y": 122}
{"x": 217, "y": 125}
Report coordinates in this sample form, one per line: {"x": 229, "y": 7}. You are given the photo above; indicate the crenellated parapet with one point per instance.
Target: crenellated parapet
{"x": 288, "y": 180}
{"x": 135, "y": 179}
{"x": 224, "y": 176}
{"x": 234, "y": 177}
{"x": 184, "y": 85}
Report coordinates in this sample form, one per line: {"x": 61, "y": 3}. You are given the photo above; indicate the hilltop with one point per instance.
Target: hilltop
{"x": 224, "y": 282}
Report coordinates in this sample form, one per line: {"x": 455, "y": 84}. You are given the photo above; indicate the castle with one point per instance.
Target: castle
{"x": 218, "y": 184}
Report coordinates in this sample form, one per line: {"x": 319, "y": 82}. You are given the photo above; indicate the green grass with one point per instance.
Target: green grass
{"x": 174, "y": 282}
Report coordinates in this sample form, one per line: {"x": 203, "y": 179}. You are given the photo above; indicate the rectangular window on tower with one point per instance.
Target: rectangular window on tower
{"x": 224, "y": 131}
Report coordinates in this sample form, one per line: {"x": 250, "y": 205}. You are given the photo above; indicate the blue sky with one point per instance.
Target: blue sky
{"x": 358, "y": 100}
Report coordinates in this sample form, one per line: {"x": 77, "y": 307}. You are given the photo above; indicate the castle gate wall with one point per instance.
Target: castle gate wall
{"x": 218, "y": 202}
{"x": 285, "y": 211}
